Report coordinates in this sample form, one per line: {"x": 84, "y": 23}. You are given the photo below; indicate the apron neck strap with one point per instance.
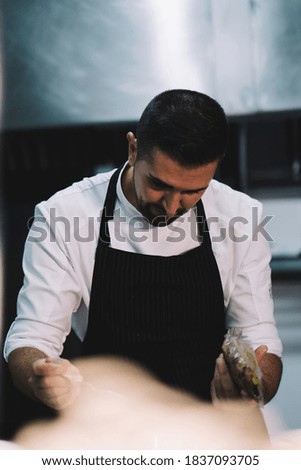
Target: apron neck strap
{"x": 108, "y": 208}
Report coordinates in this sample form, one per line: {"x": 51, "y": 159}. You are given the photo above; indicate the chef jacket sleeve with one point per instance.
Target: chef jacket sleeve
{"x": 251, "y": 303}
{"x": 51, "y": 290}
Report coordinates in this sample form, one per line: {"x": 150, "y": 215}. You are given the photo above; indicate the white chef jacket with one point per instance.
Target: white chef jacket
{"x": 60, "y": 248}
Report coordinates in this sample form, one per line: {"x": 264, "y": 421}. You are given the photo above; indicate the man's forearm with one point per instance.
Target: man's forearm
{"x": 271, "y": 367}
{"x": 20, "y": 365}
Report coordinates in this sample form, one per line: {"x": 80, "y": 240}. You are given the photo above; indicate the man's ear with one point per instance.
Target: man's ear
{"x": 132, "y": 148}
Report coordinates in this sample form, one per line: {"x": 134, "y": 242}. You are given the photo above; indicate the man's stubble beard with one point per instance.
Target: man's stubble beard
{"x": 157, "y": 220}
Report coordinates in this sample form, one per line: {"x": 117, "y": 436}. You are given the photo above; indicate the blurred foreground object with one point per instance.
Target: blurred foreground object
{"x": 122, "y": 406}
{"x": 289, "y": 440}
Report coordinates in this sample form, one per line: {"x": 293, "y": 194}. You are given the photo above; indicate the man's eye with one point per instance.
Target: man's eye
{"x": 194, "y": 192}
{"x": 157, "y": 184}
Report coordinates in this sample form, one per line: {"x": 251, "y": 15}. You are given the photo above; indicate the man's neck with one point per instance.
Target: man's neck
{"x": 127, "y": 185}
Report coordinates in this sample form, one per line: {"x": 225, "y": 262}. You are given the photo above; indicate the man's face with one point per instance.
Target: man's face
{"x": 163, "y": 190}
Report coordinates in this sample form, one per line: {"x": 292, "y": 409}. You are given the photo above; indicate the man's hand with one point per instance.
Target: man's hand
{"x": 222, "y": 385}
{"x": 224, "y": 388}
{"x": 55, "y": 382}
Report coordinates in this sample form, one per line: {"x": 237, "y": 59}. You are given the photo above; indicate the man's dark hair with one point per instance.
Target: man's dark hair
{"x": 189, "y": 126}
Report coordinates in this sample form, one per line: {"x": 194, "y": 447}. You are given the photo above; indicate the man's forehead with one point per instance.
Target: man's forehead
{"x": 169, "y": 172}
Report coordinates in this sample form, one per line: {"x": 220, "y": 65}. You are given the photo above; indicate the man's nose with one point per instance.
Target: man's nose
{"x": 172, "y": 204}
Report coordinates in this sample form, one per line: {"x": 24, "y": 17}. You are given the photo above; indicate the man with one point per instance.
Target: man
{"x": 172, "y": 260}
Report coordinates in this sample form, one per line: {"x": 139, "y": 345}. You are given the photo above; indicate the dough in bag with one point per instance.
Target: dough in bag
{"x": 242, "y": 364}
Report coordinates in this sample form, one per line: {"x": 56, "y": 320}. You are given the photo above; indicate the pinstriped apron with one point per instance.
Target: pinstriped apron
{"x": 166, "y": 313}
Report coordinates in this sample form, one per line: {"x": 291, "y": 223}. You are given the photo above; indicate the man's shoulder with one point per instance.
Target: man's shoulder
{"x": 228, "y": 201}
{"x": 91, "y": 184}
{"x": 87, "y": 194}
{"x": 233, "y": 217}
{"x": 225, "y": 195}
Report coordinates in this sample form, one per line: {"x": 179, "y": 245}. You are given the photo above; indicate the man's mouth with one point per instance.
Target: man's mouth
{"x": 161, "y": 218}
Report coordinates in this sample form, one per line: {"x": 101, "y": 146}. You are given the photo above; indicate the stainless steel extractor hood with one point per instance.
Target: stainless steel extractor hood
{"x": 74, "y": 61}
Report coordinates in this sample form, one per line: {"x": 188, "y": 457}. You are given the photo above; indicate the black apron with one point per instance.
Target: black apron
{"x": 166, "y": 313}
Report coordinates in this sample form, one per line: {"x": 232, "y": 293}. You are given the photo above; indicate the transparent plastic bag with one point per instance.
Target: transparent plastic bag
{"x": 242, "y": 364}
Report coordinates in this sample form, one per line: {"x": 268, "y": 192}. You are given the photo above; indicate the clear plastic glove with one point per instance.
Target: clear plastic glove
{"x": 55, "y": 382}
{"x": 243, "y": 364}
{"x": 223, "y": 387}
